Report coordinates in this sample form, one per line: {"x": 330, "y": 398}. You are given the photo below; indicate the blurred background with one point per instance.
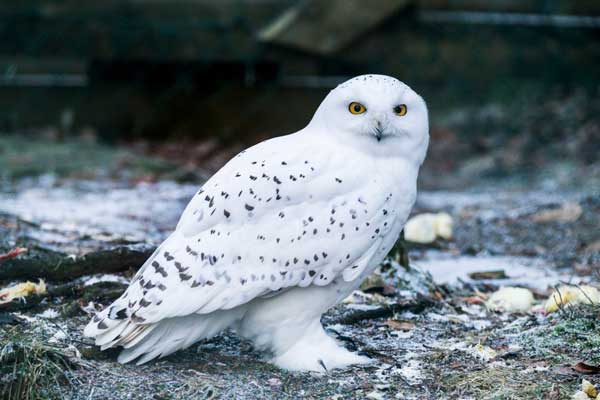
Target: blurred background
{"x": 180, "y": 86}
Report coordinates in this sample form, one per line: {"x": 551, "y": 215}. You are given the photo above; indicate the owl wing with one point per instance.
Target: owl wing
{"x": 281, "y": 214}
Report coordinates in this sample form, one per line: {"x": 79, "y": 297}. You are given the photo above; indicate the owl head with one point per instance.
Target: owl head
{"x": 379, "y": 114}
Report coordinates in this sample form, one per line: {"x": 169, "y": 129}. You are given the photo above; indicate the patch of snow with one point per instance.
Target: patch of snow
{"x": 521, "y": 271}
{"x": 362, "y": 307}
{"x": 102, "y": 210}
{"x": 375, "y": 395}
{"x": 411, "y": 372}
{"x": 48, "y": 314}
{"x": 58, "y": 337}
{"x": 480, "y": 324}
{"x": 494, "y": 204}
{"x": 402, "y": 334}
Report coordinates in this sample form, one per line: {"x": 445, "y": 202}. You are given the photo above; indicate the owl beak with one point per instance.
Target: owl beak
{"x": 378, "y": 133}
{"x": 378, "y": 130}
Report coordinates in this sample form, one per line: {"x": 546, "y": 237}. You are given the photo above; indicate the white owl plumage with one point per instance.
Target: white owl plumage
{"x": 284, "y": 231}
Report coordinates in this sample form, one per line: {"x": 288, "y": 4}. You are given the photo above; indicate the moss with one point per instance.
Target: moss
{"x": 30, "y": 368}
{"x": 571, "y": 335}
{"x": 506, "y": 382}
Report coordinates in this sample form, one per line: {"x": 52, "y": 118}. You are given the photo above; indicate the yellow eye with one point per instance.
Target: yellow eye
{"x": 356, "y": 108}
{"x": 400, "y": 110}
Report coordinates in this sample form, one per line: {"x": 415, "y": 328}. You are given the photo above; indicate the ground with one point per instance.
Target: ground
{"x": 426, "y": 328}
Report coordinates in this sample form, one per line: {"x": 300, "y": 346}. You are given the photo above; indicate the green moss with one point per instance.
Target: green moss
{"x": 569, "y": 336}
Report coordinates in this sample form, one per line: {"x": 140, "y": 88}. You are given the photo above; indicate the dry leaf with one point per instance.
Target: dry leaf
{"x": 473, "y": 300}
{"x": 21, "y": 290}
{"x": 588, "y": 388}
{"x": 568, "y": 212}
{"x": 498, "y": 274}
{"x": 568, "y": 295}
{"x": 586, "y": 368}
{"x": 399, "y": 325}
{"x": 13, "y": 253}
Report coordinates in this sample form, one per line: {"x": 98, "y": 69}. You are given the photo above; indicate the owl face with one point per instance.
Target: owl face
{"x": 378, "y": 112}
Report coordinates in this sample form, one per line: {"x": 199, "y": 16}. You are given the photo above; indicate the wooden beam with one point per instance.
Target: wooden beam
{"x": 324, "y": 27}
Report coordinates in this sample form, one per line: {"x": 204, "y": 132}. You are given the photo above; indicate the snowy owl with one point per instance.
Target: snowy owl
{"x": 283, "y": 232}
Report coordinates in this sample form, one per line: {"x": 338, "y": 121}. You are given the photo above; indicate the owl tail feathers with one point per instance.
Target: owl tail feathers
{"x": 169, "y": 335}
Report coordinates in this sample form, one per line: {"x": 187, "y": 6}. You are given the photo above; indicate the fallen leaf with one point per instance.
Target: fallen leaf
{"x": 572, "y": 294}
{"x": 21, "y": 290}
{"x": 588, "y": 388}
{"x": 568, "y": 212}
{"x": 473, "y": 300}
{"x": 586, "y": 368}
{"x": 13, "y": 253}
{"x": 498, "y": 274}
{"x": 399, "y": 325}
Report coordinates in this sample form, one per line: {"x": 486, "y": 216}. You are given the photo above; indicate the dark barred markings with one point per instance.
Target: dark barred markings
{"x": 249, "y": 207}
{"x": 180, "y": 268}
{"x": 149, "y": 285}
{"x": 159, "y": 269}
{"x": 185, "y": 277}
{"x": 189, "y": 250}
{"x": 144, "y": 303}
{"x": 121, "y": 314}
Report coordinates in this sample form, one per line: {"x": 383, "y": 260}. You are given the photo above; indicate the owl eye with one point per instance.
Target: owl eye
{"x": 356, "y": 108}
{"x": 400, "y": 110}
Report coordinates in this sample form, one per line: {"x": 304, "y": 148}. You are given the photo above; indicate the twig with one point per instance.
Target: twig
{"x": 385, "y": 311}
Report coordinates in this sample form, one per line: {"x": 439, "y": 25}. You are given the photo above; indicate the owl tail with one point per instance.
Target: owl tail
{"x": 169, "y": 335}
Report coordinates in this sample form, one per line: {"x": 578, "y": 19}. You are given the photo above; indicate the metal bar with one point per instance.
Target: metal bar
{"x": 45, "y": 80}
{"x": 498, "y": 18}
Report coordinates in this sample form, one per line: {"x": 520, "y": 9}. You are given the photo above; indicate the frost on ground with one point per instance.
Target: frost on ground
{"x": 428, "y": 327}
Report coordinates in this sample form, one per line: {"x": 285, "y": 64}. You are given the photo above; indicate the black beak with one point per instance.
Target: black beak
{"x": 378, "y": 133}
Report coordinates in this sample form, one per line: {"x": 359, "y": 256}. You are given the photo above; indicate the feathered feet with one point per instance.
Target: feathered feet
{"x": 317, "y": 351}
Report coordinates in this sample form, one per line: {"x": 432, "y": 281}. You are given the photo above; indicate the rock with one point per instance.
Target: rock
{"x": 569, "y": 295}
{"x": 510, "y": 299}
